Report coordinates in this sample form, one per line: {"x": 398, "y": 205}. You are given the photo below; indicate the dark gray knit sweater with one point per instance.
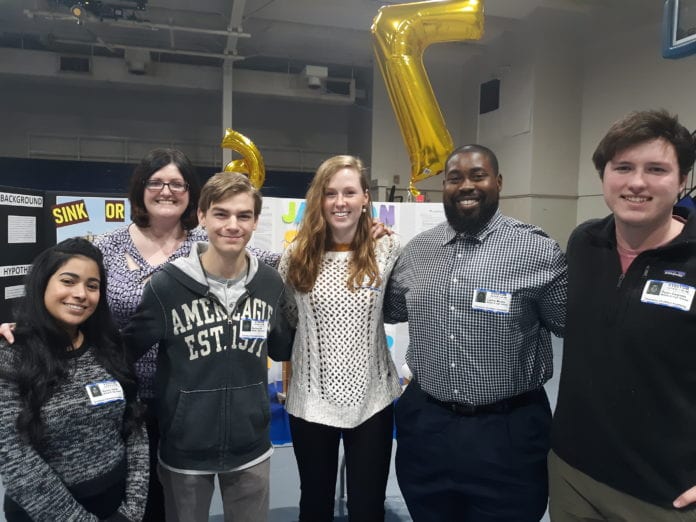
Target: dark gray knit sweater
{"x": 82, "y": 449}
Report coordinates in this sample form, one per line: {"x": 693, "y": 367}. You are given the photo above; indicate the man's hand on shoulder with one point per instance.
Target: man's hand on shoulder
{"x": 379, "y": 230}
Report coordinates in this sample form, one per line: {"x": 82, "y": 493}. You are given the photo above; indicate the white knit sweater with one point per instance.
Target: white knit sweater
{"x": 342, "y": 372}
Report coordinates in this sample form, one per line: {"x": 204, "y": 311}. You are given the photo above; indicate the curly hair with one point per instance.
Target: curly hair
{"x": 314, "y": 237}
{"x": 42, "y": 363}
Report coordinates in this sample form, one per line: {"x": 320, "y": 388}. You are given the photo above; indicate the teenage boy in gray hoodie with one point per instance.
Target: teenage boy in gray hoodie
{"x": 216, "y": 316}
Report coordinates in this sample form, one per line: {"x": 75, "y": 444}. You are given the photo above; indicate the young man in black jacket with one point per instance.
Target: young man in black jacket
{"x": 216, "y": 316}
{"x": 624, "y": 424}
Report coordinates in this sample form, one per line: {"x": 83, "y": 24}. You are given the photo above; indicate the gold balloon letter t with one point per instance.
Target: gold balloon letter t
{"x": 401, "y": 33}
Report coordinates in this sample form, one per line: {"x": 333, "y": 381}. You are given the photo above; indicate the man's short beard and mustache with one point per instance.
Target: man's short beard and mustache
{"x": 469, "y": 224}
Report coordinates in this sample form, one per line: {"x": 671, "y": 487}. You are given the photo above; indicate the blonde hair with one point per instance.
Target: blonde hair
{"x": 314, "y": 237}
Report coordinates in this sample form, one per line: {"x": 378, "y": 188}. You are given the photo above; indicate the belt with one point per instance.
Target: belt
{"x": 502, "y": 406}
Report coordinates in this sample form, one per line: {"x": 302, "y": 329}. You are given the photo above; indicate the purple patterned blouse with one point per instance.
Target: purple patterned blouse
{"x": 125, "y": 286}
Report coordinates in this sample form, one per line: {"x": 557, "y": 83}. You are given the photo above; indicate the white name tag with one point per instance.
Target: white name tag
{"x": 667, "y": 293}
{"x": 491, "y": 301}
{"x": 254, "y": 329}
{"x": 103, "y": 392}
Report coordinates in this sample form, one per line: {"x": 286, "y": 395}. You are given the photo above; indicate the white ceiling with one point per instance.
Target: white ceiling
{"x": 276, "y": 33}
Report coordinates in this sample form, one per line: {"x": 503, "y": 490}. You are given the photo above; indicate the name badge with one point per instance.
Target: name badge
{"x": 491, "y": 301}
{"x": 104, "y": 391}
{"x": 254, "y": 329}
{"x": 668, "y": 293}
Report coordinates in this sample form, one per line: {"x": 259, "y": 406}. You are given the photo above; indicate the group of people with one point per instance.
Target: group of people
{"x": 164, "y": 326}
{"x": 196, "y": 314}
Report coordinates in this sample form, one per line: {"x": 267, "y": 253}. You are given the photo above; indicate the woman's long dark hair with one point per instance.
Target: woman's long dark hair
{"x": 41, "y": 342}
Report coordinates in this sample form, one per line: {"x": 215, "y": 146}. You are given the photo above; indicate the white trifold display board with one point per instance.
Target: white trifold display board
{"x": 277, "y": 227}
{"x": 280, "y": 218}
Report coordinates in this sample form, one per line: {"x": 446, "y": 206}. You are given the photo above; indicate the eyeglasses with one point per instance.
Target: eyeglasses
{"x": 177, "y": 187}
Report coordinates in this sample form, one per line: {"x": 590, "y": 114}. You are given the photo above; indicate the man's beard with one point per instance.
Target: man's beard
{"x": 469, "y": 224}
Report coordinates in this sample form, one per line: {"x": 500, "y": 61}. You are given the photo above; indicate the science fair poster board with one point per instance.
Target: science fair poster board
{"x": 38, "y": 220}
{"x": 22, "y": 238}
{"x": 35, "y": 220}
{"x": 72, "y": 215}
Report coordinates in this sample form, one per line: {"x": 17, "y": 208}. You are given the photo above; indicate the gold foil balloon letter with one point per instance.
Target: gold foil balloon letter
{"x": 251, "y": 163}
{"x": 401, "y": 33}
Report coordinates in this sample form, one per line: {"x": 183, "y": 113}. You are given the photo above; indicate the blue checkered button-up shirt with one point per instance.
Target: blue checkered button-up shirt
{"x": 480, "y": 309}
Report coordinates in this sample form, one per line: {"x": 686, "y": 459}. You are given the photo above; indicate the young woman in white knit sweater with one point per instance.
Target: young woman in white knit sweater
{"x": 343, "y": 378}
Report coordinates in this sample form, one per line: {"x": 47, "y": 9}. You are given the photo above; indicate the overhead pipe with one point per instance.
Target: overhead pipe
{"x": 102, "y": 43}
{"x": 130, "y": 24}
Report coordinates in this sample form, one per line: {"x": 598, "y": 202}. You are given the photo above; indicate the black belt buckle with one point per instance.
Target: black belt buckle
{"x": 502, "y": 406}
{"x": 462, "y": 409}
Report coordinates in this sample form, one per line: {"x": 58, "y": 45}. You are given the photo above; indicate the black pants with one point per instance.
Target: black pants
{"x": 154, "y": 508}
{"x": 368, "y": 455}
{"x": 480, "y": 468}
{"x": 103, "y": 504}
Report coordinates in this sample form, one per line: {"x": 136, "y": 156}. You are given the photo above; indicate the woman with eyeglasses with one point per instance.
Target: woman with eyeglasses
{"x": 163, "y": 195}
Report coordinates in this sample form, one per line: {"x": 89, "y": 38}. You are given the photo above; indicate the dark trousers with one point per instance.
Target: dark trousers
{"x": 577, "y": 497}
{"x": 483, "y": 467}
{"x": 104, "y": 504}
{"x": 154, "y": 508}
{"x": 368, "y": 455}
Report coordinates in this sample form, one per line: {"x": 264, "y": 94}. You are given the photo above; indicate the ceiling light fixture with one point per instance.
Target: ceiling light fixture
{"x": 78, "y": 12}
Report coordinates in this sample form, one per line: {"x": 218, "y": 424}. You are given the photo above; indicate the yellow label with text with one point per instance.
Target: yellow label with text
{"x": 69, "y": 213}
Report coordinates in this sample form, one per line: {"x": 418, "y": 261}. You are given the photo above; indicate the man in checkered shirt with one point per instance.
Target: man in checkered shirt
{"x": 481, "y": 294}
